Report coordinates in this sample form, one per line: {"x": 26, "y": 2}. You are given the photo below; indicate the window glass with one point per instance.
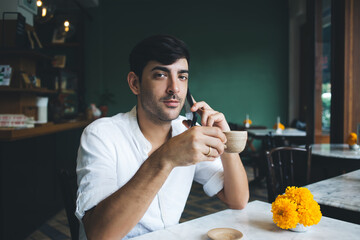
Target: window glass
{"x": 326, "y": 71}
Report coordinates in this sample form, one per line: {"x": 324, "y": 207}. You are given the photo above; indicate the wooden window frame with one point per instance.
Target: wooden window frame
{"x": 345, "y": 72}
{"x": 319, "y": 136}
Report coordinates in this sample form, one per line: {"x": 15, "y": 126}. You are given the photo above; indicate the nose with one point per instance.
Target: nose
{"x": 173, "y": 86}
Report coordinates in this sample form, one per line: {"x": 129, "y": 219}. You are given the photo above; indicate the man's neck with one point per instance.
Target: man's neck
{"x": 155, "y": 132}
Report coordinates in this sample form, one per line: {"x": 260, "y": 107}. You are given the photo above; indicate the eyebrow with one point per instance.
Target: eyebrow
{"x": 165, "y": 69}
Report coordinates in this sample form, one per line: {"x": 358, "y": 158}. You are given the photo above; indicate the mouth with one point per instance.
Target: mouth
{"x": 171, "y": 103}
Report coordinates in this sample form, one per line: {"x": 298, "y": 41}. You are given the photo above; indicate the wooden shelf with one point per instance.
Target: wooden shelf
{"x": 16, "y": 134}
{"x": 25, "y": 53}
{"x": 56, "y": 45}
{"x": 27, "y": 90}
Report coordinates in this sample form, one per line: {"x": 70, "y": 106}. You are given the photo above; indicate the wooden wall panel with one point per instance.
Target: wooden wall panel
{"x": 351, "y": 65}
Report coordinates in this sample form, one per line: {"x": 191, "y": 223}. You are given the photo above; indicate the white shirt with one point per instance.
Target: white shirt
{"x": 113, "y": 149}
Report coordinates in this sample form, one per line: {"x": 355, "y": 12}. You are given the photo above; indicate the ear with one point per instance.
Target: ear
{"x": 134, "y": 83}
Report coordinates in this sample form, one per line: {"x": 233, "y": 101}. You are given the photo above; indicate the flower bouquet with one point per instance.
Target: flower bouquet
{"x": 295, "y": 207}
{"x": 352, "y": 140}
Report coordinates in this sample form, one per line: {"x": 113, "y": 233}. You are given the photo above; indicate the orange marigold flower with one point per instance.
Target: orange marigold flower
{"x": 309, "y": 213}
{"x": 352, "y": 139}
{"x": 284, "y": 213}
{"x": 296, "y": 205}
{"x": 299, "y": 195}
{"x": 247, "y": 121}
{"x": 281, "y": 126}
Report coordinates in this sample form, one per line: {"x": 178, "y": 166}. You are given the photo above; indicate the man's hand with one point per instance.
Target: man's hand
{"x": 236, "y": 191}
{"x": 210, "y": 117}
{"x": 192, "y": 146}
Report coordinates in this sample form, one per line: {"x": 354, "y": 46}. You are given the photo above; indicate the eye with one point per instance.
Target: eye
{"x": 159, "y": 75}
{"x": 183, "y": 77}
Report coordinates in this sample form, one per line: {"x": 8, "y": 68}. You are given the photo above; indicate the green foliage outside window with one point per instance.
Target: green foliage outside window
{"x": 326, "y": 103}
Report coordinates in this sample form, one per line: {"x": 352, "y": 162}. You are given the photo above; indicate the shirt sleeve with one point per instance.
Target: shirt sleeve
{"x": 96, "y": 170}
{"x": 211, "y": 176}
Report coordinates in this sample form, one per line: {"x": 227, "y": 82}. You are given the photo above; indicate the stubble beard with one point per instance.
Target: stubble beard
{"x": 154, "y": 109}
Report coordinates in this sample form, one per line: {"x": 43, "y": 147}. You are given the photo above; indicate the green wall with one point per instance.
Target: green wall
{"x": 239, "y": 52}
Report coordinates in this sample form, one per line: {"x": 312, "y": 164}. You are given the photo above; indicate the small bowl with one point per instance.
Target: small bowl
{"x": 225, "y": 234}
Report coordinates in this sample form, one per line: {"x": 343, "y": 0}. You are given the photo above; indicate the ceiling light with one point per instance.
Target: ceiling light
{"x": 43, "y": 12}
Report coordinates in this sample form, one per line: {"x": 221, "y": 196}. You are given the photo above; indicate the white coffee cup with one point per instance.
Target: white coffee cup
{"x": 236, "y": 141}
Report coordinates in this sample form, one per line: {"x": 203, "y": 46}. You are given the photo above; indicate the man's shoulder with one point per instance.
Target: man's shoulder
{"x": 118, "y": 121}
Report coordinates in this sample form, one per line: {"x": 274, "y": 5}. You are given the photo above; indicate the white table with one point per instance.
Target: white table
{"x": 341, "y": 192}
{"x": 335, "y": 151}
{"x": 255, "y": 222}
{"x": 287, "y": 132}
{"x": 333, "y": 160}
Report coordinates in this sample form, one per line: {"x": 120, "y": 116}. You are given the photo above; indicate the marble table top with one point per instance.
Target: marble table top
{"x": 255, "y": 222}
{"x": 335, "y": 151}
{"x": 342, "y": 191}
{"x": 287, "y": 132}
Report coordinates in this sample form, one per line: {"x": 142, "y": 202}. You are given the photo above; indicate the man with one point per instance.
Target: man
{"x": 135, "y": 169}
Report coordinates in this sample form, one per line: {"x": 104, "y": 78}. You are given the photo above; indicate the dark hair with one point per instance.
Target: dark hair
{"x": 165, "y": 49}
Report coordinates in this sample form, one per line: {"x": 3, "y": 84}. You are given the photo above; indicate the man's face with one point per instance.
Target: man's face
{"x": 163, "y": 89}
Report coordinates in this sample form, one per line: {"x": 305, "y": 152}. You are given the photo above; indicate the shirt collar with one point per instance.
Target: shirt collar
{"x": 142, "y": 143}
{"x": 177, "y": 127}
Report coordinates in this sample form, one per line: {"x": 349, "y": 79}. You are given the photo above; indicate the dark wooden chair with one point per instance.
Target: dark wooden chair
{"x": 68, "y": 188}
{"x": 268, "y": 142}
{"x": 280, "y": 174}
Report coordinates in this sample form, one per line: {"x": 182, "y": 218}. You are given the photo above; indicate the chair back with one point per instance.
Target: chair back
{"x": 280, "y": 174}
{"x": 272, "y": 141}
{"x": 269, "y": 142}
{"x": 69, "y": 188}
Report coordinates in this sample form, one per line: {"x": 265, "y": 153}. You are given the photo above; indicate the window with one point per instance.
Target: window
{"x": 322, "y": 71}
{"x": 326, "y": 67}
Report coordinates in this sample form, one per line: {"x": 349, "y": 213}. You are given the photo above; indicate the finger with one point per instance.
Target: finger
{"x": 213, "y": 132}
{"x": 217, "y": 149}
{"x": 207, "y": 151}
{"x": 215, "y": 118}
{"x": 210, "y": 118}
{"x": 205, "y": 115}
{"x": 215, "y": 145}
{"x": 204, "y": 110}
{"x": 214, "y": 152}
{"x": 210, "y": 152}
{"x": 206, "y": 137}
{"x": 200, "y": 106}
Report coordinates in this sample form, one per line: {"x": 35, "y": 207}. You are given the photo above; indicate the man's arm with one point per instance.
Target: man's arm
{"x": 116, "y": 215}
{"x": 236, "y": 188}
